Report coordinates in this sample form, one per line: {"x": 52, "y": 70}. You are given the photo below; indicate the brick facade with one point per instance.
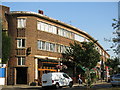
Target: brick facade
{"x": 31, "y": 35}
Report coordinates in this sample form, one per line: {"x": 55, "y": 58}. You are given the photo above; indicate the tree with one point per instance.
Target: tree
{"x": 113, "y": 64}
{"x": 6, "y": 47}
{"x": 116, "y": 40}
{"x": 90, "y": 56}
{"x": 72, "y": 54}
{"x": 83, "y": 54}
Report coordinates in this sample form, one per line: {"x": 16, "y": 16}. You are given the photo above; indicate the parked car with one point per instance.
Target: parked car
{"x": 115, "y": 81}
{"x": 57, "y": 79}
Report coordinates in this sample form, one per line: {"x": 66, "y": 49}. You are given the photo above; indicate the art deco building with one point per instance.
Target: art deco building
{"x": 37, "y": 44}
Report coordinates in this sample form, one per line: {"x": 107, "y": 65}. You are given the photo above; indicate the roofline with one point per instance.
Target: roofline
{"x": 56, "y": 21}
{"x": 4, "y": 6}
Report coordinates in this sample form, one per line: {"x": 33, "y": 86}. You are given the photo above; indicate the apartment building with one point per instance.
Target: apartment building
{"x": 37, "y": 44}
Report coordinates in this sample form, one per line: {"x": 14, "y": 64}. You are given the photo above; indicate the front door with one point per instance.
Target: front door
{"x": 21, "y": 75}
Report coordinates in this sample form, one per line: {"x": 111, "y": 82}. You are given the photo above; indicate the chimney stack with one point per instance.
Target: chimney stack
{"x": 40, "y": 11}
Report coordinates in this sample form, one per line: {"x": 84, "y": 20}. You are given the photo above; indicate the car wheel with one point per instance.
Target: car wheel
{"x": 57, "y": 85}
{"x": 70, "y": 84}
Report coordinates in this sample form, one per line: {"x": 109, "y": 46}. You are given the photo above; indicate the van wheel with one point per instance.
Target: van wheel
{"x": 70, "y": 84}
{"x": 57, "y": 85}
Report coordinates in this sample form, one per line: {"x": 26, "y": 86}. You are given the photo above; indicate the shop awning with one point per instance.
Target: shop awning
{"x": 49, "y": 62}
{"x": 81, "y": 67}
{"x": 54, "y": 70}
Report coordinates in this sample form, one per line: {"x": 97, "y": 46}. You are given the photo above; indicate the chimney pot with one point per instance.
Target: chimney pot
{"x": 40, "y": 11}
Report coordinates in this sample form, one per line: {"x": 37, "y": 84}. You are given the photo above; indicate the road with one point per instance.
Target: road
{"x": 75, "y": 87}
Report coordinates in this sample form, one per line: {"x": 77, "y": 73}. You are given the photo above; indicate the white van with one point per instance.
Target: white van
{"x": 57, "y": 79}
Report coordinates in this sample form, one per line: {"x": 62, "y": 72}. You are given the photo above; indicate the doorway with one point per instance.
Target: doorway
{"x": 21, "y": 75}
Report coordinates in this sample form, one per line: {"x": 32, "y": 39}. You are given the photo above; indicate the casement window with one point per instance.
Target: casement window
{"x": 38, "y": 25}
{"x": 42, "y": 26}
{"x": 54, "y": 30}
{"x": 68, "y": 34}
{"x": 52, "y": 47}
{"x": 21, "y": 22}
{"x": 20, "y": 43}
{"x": 79, "y": 38}
{"x": 60, "y": 48}
{"x": 65, "y": 33}
{"x": 41, "y": 45}
{"x": 47, "y": 46}
{"x": 21, "y": 60}
{"x": 61, "y": 32}
{"x": 46, "y": 27}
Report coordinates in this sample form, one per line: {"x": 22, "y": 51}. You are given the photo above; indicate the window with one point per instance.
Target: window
{"x": 42, "y": 26}
{"x": 21, "y": 60}
{"x": 79, "y": 38}
{"x": 43, "y": 45}
{"x": 38, "y": 25}
{"x": 58, "y": 49}
{"x": 21, "y": 23}
{"x": 54, "y": 30}
{"x": 50, "y": 28}
{"x": 39, "y": 44}
{"x": 65, "y": 75}
{"x": 47, "y": 46}
{"x": 46, "y": 27}
{"x": 52, "y": 47}
{"x": 20, "y": 43}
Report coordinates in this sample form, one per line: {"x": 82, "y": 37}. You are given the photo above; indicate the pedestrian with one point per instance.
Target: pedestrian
{"x": 79, "y": 79}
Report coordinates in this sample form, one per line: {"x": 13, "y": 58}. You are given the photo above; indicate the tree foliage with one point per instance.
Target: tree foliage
{"x": 6, "y": 46}
{"x": 113, "y": 63}
{"x": 116, "y": 24}
{"x": 116, "y": 40}
{"x": 83, "y": 54}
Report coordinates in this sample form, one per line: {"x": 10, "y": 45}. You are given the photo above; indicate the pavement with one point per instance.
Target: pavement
{"x": 97, "y": 83}
{"x": 75, "y": 85}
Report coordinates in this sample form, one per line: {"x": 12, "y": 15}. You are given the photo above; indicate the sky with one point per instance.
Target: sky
{"x": 95, "y": 18}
